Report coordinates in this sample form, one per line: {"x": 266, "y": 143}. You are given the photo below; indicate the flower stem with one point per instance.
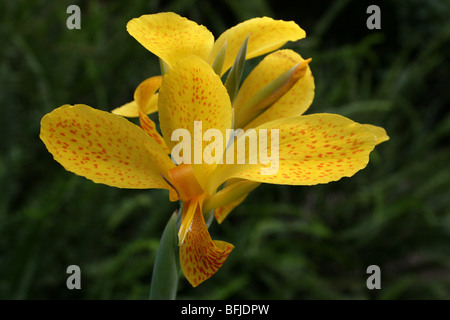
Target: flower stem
{"x": 166, "y": 270}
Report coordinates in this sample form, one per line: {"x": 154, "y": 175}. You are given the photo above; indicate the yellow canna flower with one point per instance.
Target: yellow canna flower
{"x": 106, "y": 148}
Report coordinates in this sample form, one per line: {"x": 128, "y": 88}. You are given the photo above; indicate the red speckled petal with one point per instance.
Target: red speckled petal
{"x": 200, "y": 256}
{"x": 191, "y": 91}
{"x": 143, "y": 96}
{"x": 230, "y": 196}
{"x": 170, "y": 36}
{"x": 313, "y": 149}
{"x": 104, "y": 148}
{"x": 266, "y": 35}
{"x": 222, "y": 212}
{"x": 149, "y": 126}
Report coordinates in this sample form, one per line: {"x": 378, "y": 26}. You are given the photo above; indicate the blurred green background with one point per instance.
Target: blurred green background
{"x": 291, "y": 242}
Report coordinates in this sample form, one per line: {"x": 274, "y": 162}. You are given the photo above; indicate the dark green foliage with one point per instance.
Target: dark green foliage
{"x": 291, "y": 242}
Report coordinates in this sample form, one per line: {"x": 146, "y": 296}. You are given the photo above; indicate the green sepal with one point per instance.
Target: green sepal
{"x": 265, "y": 97}
{"x": 166, "y": 270}
{"x": 220, "y": 59}
{"x": 234, "y": 76}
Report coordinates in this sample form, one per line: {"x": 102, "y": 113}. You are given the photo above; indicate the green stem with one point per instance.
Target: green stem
{"x": 166, "y": 270}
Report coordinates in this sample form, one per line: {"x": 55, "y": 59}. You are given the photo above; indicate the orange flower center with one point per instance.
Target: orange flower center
{"x": 185, "y": 183}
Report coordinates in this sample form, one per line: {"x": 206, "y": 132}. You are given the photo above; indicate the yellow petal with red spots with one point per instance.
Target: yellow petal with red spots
{"x": 231, "y": 195}
{"x": 145, "y": 91}
{"x": 149, "y": 126}
{"x": 222, "y": 212}
{"x": 266, "y": 35}
{"x": 170, "y": 36}
{"x": 293, "y": 103}
{"x": 104, "y": 148}
{"x": 192, "y": 98}
{"x": 143, "y": 96}
{"x": 200, "y": 256}
{"x": 309, "y": 150}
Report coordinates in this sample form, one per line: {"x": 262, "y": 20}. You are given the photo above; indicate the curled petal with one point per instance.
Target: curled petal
{"x": 200, "y": 256}
{"x": 131, "y": 109}
{"x": 143, "y": 95}
{"x": 145, "y": 99}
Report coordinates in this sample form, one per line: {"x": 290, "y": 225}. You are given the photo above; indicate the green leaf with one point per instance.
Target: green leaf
{"x": 234, "y": 76}
{"x": 166, "y": 271}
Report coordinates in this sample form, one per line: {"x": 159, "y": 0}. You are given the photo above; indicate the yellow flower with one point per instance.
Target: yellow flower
{"x": 170, "y": 37}
{"x": 107, "y": 148}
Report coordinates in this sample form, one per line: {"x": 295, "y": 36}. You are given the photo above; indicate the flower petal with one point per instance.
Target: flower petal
{"x": 266, "y": 35}
{"x": 313, "y": 149}
{"x": 293, "y": 103}
{"x": 222, "y": 212}
{"x": 148, "y": 99}
{"x": 131, "y": 109}
{"x": 379, "y": 132}
{"x": 239, "y": 196}
{"x": 145, "y": 93}
{"x": 149, "y": 126}
{"x": 200, "y": 256}
{"x": 143, "y": 96}
{"x": 104, "y": 148}
{"x": 192, "y": 92}
{"x": 170, "y": 36}
{"x": 231, "y": 195}
{"x": 189, "y": 208}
